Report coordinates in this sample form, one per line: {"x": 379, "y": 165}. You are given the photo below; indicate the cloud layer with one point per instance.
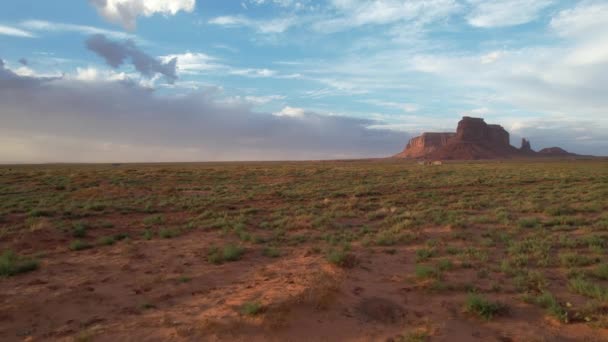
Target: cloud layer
{"x": 70, "y": 120}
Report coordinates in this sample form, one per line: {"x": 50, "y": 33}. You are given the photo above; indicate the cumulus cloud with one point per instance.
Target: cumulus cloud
{"x": 71, "y": 120}
{"x": 125, "y": 12}
{"x": 291, "y": 112}
{"x": 116, "y": 53}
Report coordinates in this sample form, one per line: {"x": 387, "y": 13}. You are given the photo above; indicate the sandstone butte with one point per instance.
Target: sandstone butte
{"x": 474, "y": 139}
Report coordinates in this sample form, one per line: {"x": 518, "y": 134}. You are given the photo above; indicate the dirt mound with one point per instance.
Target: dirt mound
{"x": 474, "y": 139}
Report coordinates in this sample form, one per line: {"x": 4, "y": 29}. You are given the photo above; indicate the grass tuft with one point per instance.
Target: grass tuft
{"x": 251, "y": 308}
{"x": 228, "y": 253}
{"x": 484, "y": 308}
{"x": 79, "y": 245}
{"x": 12, "y": 264}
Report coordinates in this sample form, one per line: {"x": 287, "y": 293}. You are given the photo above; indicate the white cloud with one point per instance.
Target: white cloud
{"x": 196, "y": 63}
{"x": 91, "y": 74}
{"x": 586, "y": 25}
{"x": 249, "y": 100}
{"x": 192, "y": 62}
{"x": 46, "y": 26}
{"x": 261, "y": 100}
{"x": 15, "y": 32}
{"x": 584, "y": 20}
{"x": 290, "y": 112}
{"x": 296, "y": 4}
{"x": 251, "y": 72}
{"x": 261, "y": 26}
{"x": 501, "y": 13}
{"x": 491, "y": 57}
{"x": 125, "y": 12}
{"x": 354, "y": 13}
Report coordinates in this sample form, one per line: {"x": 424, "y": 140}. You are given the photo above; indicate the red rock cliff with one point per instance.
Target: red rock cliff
{"x": 474, "y": 139}
{"x": 426, "y": 143}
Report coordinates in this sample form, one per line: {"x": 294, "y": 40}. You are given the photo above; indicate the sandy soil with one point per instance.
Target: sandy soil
{"x": 134, "y": 291}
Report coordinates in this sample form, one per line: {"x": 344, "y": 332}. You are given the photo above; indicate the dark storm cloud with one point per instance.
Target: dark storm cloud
{"x": 116, "y": 53}
{"x": 122, "y": 116}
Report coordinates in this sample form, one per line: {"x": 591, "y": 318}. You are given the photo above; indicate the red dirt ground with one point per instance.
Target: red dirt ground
{"x": 102, "y": 292}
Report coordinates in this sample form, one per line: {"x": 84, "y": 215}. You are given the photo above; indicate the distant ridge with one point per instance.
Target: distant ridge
{"x": 474, "y": 139}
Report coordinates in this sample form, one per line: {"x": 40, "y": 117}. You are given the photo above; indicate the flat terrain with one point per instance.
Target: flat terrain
{"x": 312, "y": 251}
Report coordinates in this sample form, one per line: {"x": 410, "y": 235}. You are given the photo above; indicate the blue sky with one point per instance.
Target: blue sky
{"x": 287, "y": 79}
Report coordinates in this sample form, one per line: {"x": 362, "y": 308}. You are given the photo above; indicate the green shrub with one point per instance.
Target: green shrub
{"x": 340, "y": 257}
{"x": 40, "y": 213}
{"x": 424, "y": 254}
{"x": 78, "y": 245}
{"x": 271, "y": 252}
{"x": 233, "y": 253}
{"x": 425, "y": 271}
{"x": 228, "y": 253}
{"x": 529, "y": 222}
{"x": 154, "y": 220}
{"x": 588, "y": 289}
{"x": 416, "y": 336}
{"x": 576, "y": 260}
{"x": 251, "y": 308}
{"x": 560, "y": 210}
{"x": 548, "y": 302}
{"x": 167, "y": 233}
{"x": 484, "y": 308}
{"x": 445, "y": 265}
{"x": 79, "y": 230}
{"x": 215, "y": 256}
{"x": 147, "y": 234}
{"x": 12, "y": 264}
{"x": 601, "y": 271}
{"x": 106, "y": 241}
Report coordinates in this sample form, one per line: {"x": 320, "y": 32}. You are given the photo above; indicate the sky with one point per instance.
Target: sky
{"x": 217, "y": 80}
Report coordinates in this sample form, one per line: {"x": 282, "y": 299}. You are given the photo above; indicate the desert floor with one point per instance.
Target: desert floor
{"x": 383, "y": 250}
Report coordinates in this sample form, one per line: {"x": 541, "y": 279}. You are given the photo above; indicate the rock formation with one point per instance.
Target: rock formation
{"x": 525, "y": 145}
{"x": 474, "y": 139}
{"x": 425, "y": 144}
{"x": 555, "y": 151}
